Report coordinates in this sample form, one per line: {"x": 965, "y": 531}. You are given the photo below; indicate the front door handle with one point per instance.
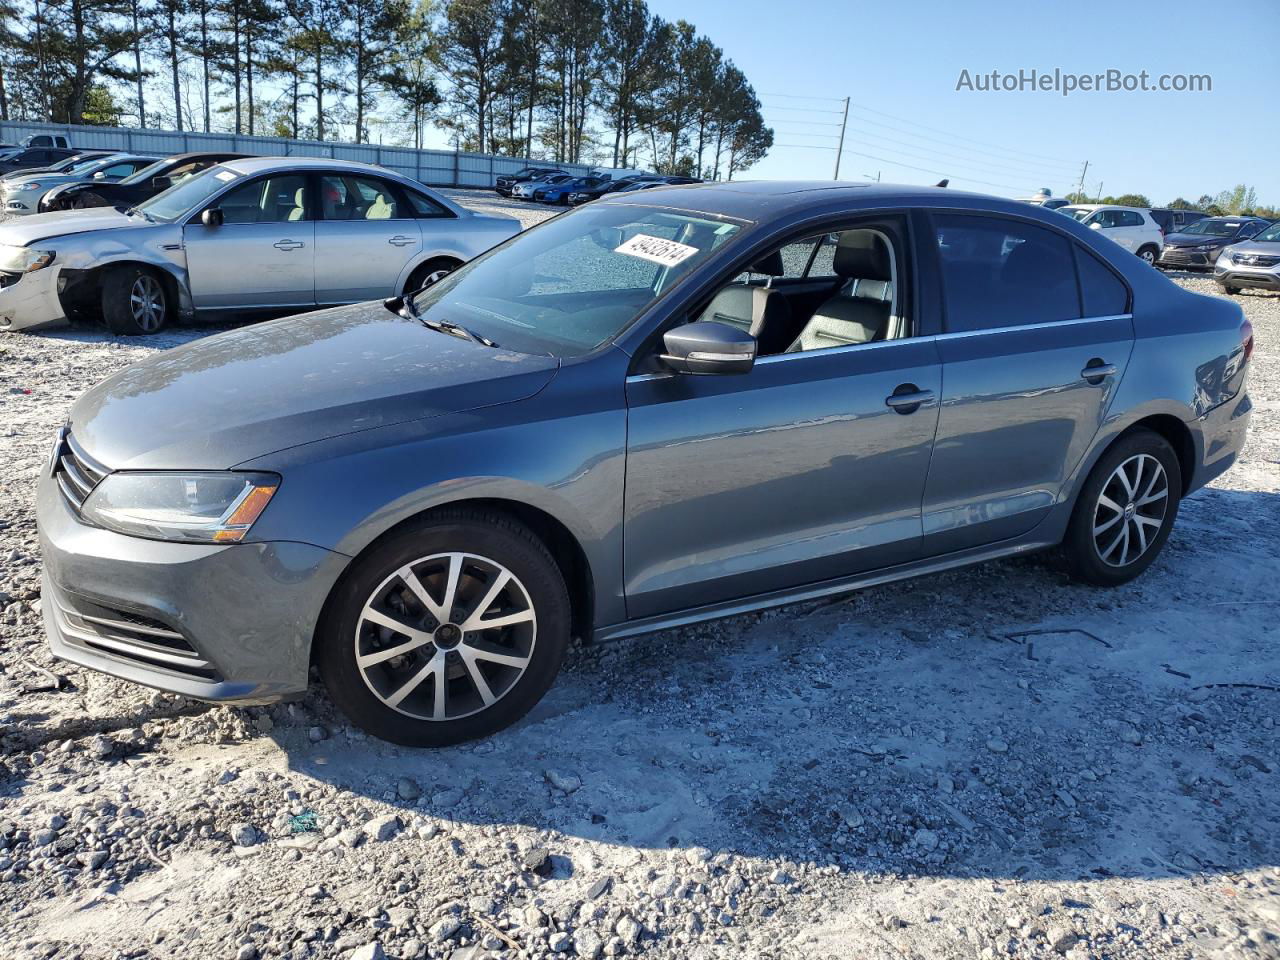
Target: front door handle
{"x": 400, "y": 241}
{"x": 1096, "y": 370}
{"x": 288, "y": 244}
{"x": 908, "y": 398}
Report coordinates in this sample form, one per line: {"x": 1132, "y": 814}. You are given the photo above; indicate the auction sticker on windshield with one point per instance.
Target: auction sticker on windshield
{"x": 656, "y": 250}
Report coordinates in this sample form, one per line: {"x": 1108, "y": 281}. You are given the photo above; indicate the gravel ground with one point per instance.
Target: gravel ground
{"x": 990, "y": 762}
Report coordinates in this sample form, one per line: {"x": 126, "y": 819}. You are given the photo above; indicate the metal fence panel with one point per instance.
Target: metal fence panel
{"x": 440, "y": 168}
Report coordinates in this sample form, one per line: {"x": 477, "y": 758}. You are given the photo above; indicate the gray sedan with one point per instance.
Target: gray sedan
{"x": 658, "y": 409}
{"x": 261, "y": 234}
{"x": 21, "y": 195}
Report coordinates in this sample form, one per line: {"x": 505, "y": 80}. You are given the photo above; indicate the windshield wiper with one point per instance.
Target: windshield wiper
{"x": 406, "y": 308}
{"x": 142, "y": 213}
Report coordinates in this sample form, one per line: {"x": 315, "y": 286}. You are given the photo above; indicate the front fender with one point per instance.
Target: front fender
{"x": 96, "y": 251}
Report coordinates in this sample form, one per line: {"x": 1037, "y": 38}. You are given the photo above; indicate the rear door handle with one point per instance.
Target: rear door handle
{"x": 1096, "y": 370}
{"x": 908, "y": 399}
{"x": 401, "y": 241}
{"x": 288, "y": 244}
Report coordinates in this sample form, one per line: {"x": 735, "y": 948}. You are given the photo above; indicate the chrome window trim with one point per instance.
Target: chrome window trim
{"x": 828, "y": 351}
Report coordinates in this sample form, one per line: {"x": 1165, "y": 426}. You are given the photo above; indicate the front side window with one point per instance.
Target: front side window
{"x": 276, "y": 199}
{"x": 577, "y": 280}
{"x": 346, "y": 197}
{"x": 1004, "y": 273}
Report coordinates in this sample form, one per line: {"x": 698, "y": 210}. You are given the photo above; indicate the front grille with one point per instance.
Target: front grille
{"x": 76, "y": 472}
{"x": 1254, "y": 260}
{"x": 128, "y": 636}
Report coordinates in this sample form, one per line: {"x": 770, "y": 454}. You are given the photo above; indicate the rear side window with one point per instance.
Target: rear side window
{"x": 1104, "y": 294}
{"x": 424, "y": 206}
{"x": 1128, "y": 218}
{"x": 1004, "y": 273}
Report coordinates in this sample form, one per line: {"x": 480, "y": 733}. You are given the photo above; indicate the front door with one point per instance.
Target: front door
{"x": 802, "y": 470}
{"x": 263, "y": 252}
{"x": 365, "y": 237}
{"x": 1028, "y": 373}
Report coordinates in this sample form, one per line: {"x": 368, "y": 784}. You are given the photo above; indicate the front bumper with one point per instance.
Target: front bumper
{"x": 22, "y": 204}
{"x": 31, "y": 300}
{"x": 1237, "y": 275}
{"x": 1184, "y": 257}
{"x": 225, "y": 623}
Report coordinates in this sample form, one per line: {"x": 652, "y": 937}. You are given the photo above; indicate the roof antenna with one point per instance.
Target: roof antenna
{"x": 942, "y": 183}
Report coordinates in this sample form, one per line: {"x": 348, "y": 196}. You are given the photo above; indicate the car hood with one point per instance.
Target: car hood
{"x": 17, "y": 183}
{"x": 1192, "y": 240}
{"x": 1269, "y": 248}
{"x": 63, "y": 223}
{"x": 235, "y": 396}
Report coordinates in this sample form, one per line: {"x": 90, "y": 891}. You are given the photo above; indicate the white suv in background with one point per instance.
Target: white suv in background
{"x": 1131, "y": 227}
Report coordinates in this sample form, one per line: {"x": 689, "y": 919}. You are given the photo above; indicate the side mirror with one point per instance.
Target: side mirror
{"x": 100, "y": 175}
{"x": 607, "y": 238}
{"x": 162, "y": 183}
{"x": 1096, "y": 225}
{"x": 212, "y": 217}
{"x": 709, "y": 347}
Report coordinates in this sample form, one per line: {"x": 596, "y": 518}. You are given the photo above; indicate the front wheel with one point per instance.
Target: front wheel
{"x": 429, "y": 272}
{"x": 1125, "y": 510}
{"x": 449, "y": 630}
{"x": 1229, "y": 289}
{"x": 134, "y": 300}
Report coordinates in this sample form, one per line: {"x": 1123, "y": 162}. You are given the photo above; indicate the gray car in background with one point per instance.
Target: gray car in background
{"x": 20, "y": 196}
{"x": 658, "y": 409}
{"x": 260, "y": 234}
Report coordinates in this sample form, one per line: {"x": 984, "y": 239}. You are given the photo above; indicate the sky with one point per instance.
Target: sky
{"x": 903, "y": 59}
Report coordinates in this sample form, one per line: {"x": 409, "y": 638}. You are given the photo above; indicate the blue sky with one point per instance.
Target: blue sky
{"x": 903, "y": 59}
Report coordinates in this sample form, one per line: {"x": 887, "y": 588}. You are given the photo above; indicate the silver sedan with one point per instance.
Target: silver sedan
{"x": 261, "y": 234}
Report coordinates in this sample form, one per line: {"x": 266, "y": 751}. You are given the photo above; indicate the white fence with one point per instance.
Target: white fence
{"x": 440, "y": 168}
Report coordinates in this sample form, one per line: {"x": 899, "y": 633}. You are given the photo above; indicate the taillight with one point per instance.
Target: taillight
{"x": 1246, "y": 339}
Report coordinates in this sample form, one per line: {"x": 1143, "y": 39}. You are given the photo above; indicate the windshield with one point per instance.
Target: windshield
{"x": 146, "y": 173}
{"x": 577, "y": 280}
{"x": 1080, "y": 213}
{"x": 1213, "y": 228}
{"x": 9, "y": 154}
{"x": 180, "y": 199}
{"x": 1269, "y": 235}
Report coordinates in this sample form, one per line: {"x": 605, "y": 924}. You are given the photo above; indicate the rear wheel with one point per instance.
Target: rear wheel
{"x": 134, "y": 300}
{"x": 1125, "y": 511}
{"x": 448, "y": 631}
{"x": 429, "y": 272}
{"x": 1148, "y": 255}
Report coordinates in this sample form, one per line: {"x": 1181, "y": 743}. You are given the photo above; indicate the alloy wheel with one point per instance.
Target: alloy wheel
{"x": 1148, "y": 257}
{"x": 446, "y": 636}
{"x": 1131, "y": 510}
{"x": 146, "y": 303}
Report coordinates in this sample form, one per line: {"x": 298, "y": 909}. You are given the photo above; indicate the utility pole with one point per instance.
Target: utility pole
{"x": 840, "y": 146}
{"x": 1080, "y": 189}
{"x": 1098, "y": 196}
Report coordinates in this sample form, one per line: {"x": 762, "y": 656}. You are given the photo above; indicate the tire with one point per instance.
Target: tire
{"x": 1148, "y": 255}
{"x": 397, "y": 698}
{"x": 134, "y": 301}
{"x": 1115, "y": 534}
{"x": 425, "y": 272}
{"x": 1229, "y": 290}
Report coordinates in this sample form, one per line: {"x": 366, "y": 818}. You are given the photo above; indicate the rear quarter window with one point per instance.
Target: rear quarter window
{"x": 1102, "y": 292}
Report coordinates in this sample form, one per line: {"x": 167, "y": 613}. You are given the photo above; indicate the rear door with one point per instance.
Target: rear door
{"x": 1031, "y": 358}
{"x": 365, "y": 237}
{"x": 263, "y": 253}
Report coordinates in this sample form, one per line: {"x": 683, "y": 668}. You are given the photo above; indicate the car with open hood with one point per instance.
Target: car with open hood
{"x": 247, "y": 237}
{"x": 651, "y": 411}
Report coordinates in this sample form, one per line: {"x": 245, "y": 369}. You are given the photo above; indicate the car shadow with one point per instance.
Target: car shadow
{"x": 999, "y": 722}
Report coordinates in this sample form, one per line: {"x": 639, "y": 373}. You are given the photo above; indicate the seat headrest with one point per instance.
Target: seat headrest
{"x": 862, "y": 254}
{"x": 770, "y": 265}
{"x": 300, "y": 197}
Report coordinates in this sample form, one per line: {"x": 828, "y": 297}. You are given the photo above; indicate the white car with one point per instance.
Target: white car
{"x": 1131, "y": 227}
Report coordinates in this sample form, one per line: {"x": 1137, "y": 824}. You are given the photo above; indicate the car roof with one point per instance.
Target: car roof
{"x": 765, "y": 199}
{"x": 198, "y": 154}
{"x": 248, "y": 165}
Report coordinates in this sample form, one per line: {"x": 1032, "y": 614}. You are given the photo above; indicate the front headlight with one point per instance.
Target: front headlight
{"x": 1205, "y": 247}
{"x": 24, "y": 259}
{"x": 190, "y": 507}
{"x": 30, "y": 186}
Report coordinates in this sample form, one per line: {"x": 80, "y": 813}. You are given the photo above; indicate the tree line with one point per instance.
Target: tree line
{"x": 583, "y": 81}
{"x": 1240, "y": 200}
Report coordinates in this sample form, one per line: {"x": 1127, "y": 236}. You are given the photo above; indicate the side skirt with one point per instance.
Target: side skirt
{"x": 814, "y": 591}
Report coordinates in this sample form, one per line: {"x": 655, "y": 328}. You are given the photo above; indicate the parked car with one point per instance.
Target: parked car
{"x": 262, "y": 235}
{"x": 425, "y": 497}
{"x": 1132, "y": 228}
{"x": 1250, "y": 263}
{"x": 135, "y": 188}
{"x": 558, "y": 193}
{"x": 21, "y": 196}
{"x": 587, "y": 194}
{"x": 502, "y": 185}
{"x": 525, "y": 190}
{"x": 1173, "y": 220}
{"x": 1199, "y": 244}
{"x": 59, "y": 140}
{"x": 78, "y": 160}
{"x": 25, "y": 158}
{"x": 1045, "y": 200}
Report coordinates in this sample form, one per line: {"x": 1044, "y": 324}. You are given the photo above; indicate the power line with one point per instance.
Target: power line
{"x": 1020, "y": 171}
{"x": 797, "y": 96}
{"x": 937, "y": 173}
{"x": 803, "y": 109}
